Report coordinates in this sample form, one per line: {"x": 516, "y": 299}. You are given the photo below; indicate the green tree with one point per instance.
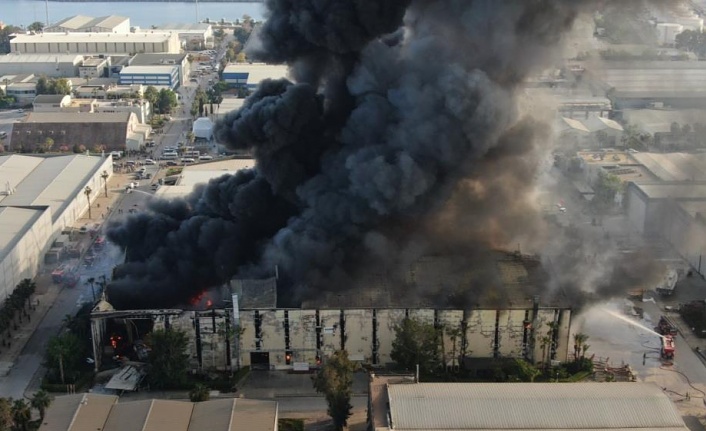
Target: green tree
{"x": 166, "y": 101}
{"x": 21, "y": 415}
{"x": 42, "y": 85}
{"x": 241, "y": 58}
{"x": 60, "y": 86}
{"x": 6, "y": 417}
{"x": 151, "y": 95}
{"x": 416, "y": 343}
{"x": 199, "y": 393}
{"x": 335, "y": 380}
{"x": 605, "y": 188}
{"x": 168, "y": 359}
{"x": 5, "y": 37}
{"x": 40, "y": 401}
{"x": 36, "y": 27}
{"x": 48, "y": 144}
{"x": 63, "y": 356}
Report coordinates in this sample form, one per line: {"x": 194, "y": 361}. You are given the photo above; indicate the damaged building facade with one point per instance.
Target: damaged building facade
{"x": 252, "y": 331}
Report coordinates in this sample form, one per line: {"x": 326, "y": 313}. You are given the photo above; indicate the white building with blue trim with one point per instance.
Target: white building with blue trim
{"x": 249, "y": 75}
{"x": 166, "y": 75}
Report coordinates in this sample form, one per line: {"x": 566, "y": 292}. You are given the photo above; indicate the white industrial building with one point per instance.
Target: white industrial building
{"x": 249, "y": 75}
{"x": 89, "y": 24}
{"x": 194, "y": 36}
{"x": 180, "y": 60}
{"x": 395, "y": 404}
{"x": 163, "y": 76}
{"x": 55, "y": 65}
{"x": 40, "y": 197}
{"x": 96, "y": 43}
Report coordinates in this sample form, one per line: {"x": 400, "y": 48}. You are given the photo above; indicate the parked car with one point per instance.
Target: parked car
{"x": 172, "y": 163}
{"x": 187, "y": 161}
{"x": 148, "y": 176}
{"x": 205, "y": 157}
{"x": 155, "y": 186}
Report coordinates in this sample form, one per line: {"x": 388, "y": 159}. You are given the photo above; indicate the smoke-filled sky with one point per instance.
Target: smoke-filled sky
{"x": 399, "y": 135}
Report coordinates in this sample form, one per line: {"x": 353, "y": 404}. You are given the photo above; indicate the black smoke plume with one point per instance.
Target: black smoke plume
{"x": 400, "y": 135}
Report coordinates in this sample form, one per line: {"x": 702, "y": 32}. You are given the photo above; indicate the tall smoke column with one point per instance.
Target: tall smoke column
{"x": 403, "y": 114}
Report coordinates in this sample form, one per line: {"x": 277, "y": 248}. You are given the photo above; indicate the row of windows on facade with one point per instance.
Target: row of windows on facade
{"x": 134, "y": 46}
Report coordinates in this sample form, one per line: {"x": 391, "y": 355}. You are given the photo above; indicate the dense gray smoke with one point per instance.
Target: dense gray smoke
{"x": 400, "y": 136}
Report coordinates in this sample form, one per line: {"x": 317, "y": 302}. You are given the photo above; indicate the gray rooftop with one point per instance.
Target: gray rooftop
{"x": 156, "y": 59}
{"x": 532, "y": 406}
{"x": 49, "y": 98}
{"x": 83, "y": 22}
{"x": 655, "y": 80}
{"x": 674, "y": 166}
{"x": 673, "y": 190}
{"x": 77, "y": 117}
{"x": 660, "y": 120}
{"x": 41, "y": 58}
{"x": 50, "y": 181}
{"x": 184, "y": 27}
{"x": 14, "y": 223}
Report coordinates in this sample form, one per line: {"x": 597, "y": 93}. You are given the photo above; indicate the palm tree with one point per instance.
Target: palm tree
{"x": 579, "y": 340}
{"x": 21, "y": 414}
{"x": 40, "y": 401}
{"x": 87, "y": 191}
{"x": 105, "y": 176}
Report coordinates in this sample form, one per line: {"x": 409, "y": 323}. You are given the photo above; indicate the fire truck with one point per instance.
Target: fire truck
{"x": 666, "y": 327}
{"x": 668, "y": 348}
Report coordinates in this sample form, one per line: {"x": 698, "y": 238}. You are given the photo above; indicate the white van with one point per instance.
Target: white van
{"x": 116, "y": 155}
{"x": 206, "y": 157}
{"x": 170, "y": 156}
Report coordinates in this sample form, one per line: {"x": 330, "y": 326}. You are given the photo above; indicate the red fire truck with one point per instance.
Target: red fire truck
{"x": 668, "y": 348}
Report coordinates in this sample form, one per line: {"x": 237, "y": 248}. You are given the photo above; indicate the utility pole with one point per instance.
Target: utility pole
{"x": 46, "y": 10}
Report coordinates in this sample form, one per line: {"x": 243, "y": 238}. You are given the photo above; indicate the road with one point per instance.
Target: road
{"x": 7, "y": 119}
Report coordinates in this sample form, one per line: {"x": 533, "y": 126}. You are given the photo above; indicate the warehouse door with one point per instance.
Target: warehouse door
{"x": 260, "y": 360}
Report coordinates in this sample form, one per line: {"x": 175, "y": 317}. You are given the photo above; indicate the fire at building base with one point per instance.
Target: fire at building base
{"x": 252, "y": 331}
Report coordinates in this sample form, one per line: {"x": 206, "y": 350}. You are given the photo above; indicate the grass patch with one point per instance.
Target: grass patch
{"x": 173, "y": 171}
{"x": 290, "y": 424}
{"x": 581, "y": 375}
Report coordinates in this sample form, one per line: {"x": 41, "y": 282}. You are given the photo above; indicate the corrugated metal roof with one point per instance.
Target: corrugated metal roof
{"x": 674, "y": 166}
{"x": 77, "y": 117}
{"x": 14, "y": 169}
{"x": 150, "y": 37}
{"x": 536, "y": 406}
{"x": 41, "y": 58}
{"x": 53, "y": 182}
{"x": 214, "y": 415}
{"x": 251, "y": 415}
{"x": 169, "y": 415}
{"x": 80, "y": 412}
{"x": 14, "y": 222}
{"x": 128, "y": 416}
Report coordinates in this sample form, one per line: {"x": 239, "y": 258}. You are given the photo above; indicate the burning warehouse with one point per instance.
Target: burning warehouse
{"x": 505, "y": 322}
{"x": 399, "y": 136}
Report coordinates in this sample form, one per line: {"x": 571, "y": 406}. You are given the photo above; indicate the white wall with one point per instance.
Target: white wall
{"x": 25, "y": 258}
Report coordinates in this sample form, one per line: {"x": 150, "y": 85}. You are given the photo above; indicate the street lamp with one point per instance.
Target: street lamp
{"x": 105, "y": 176}
{"x": 87, "y": 191}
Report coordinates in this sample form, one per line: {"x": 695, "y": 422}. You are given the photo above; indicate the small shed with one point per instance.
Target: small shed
{"x": 203, "y": 128}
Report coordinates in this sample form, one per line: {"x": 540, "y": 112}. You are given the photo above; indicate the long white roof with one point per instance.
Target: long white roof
{"x": 50, "y": 181}
{"x": 14, "y": 222}
{"x": 148, "y": 37}
{"x": 532, "y": 406}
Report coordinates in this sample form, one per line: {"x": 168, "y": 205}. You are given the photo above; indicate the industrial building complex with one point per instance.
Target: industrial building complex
{"x": 361, "y": 322}
{"x": 41, "y": 197}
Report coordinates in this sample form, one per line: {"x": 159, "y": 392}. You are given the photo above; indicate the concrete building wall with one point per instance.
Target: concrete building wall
{"x": 272, "y": 335}
{"x": 480, "y": 333}
{"x": 511, "y": 333}
{"x": 359, "y": 334}
{"x": 49, "y": 69}
{"x": 302, "y": 335}
{"x": 452, "y": 322}
{"x": 637, "y": 208}
{"x": 23, "y": 260}
{"x": 386, "y": 322}
{"x": 330, "y": 333}
{"x": 86, "y": 46}
{"x": 564, "y": 339}
{"x": 79, "y": 204}
{"x": 541, "y": 328}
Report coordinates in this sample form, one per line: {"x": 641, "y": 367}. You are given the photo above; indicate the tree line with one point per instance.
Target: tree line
{"x": 16, "y": 308}
{"x": 16, "y": 415}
